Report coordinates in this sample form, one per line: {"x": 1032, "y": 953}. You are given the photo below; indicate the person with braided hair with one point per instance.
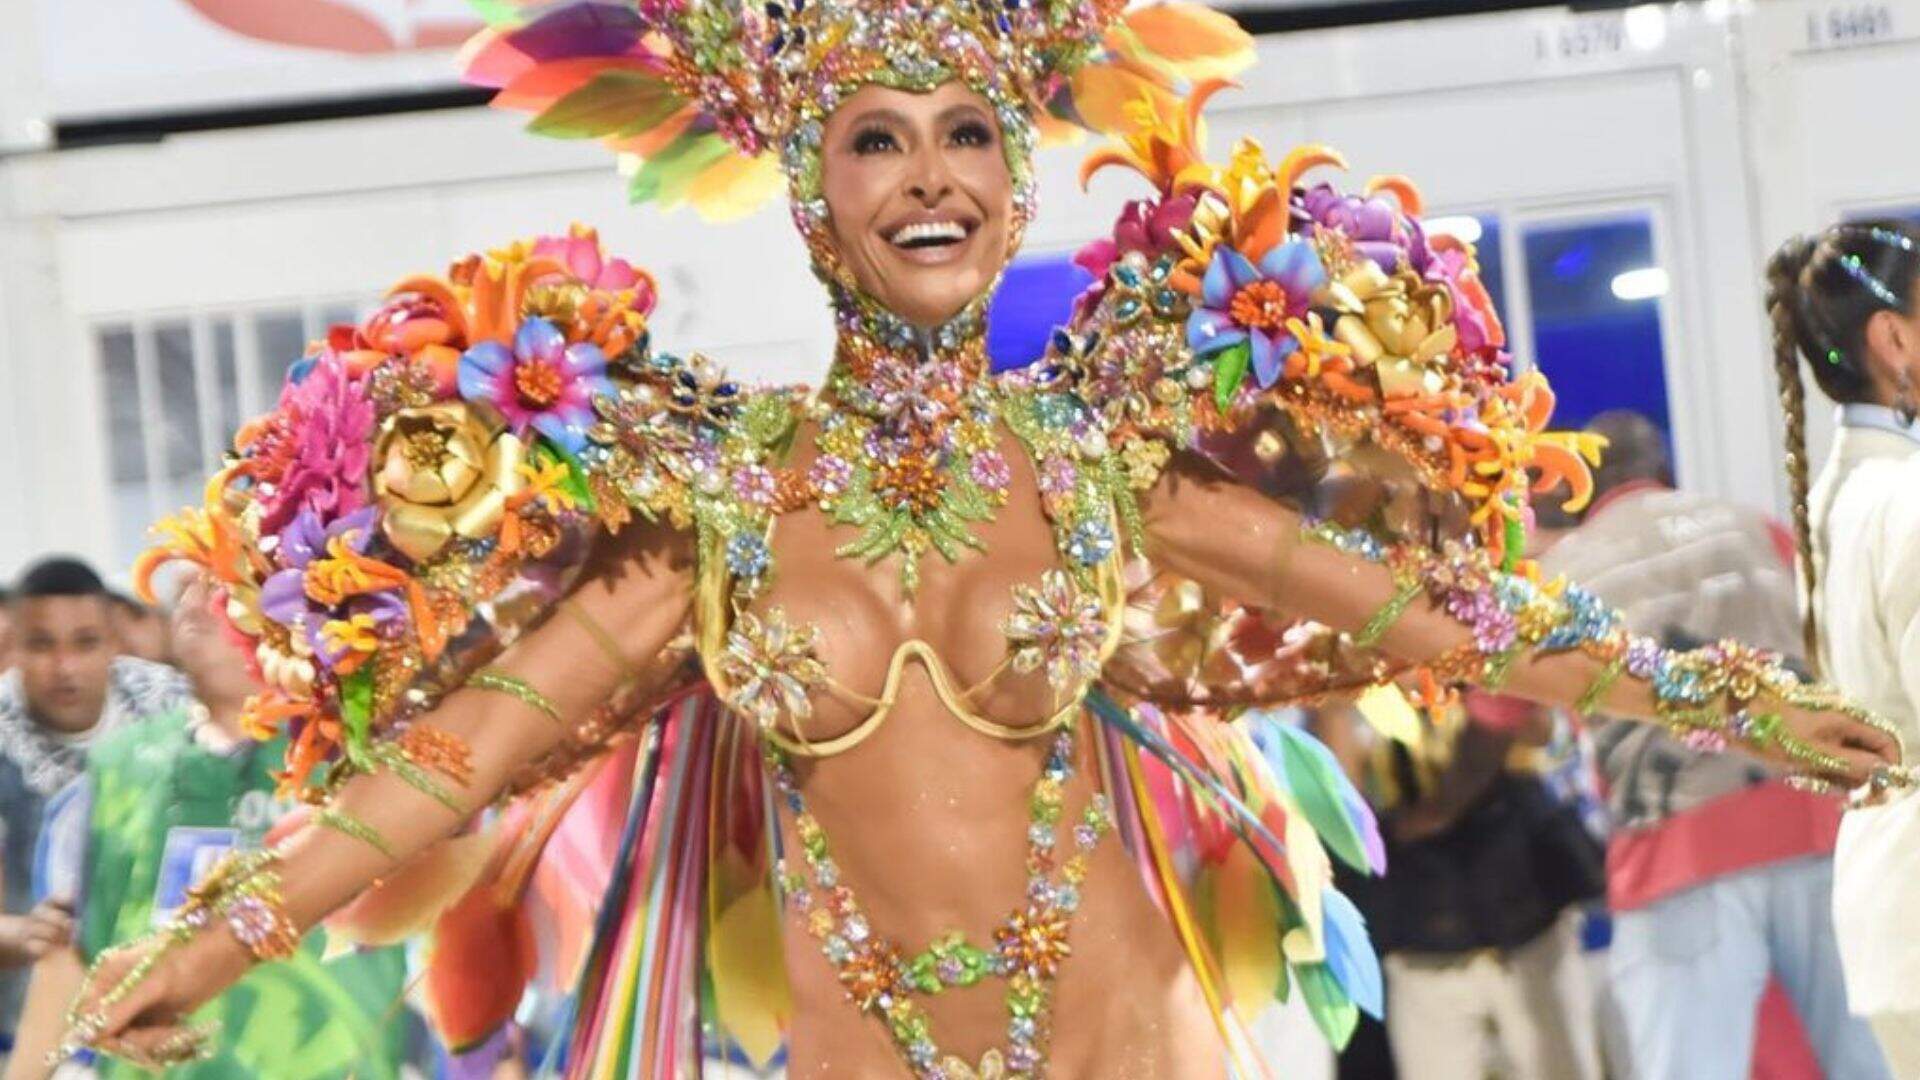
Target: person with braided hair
{"x": 1847, "y": 304}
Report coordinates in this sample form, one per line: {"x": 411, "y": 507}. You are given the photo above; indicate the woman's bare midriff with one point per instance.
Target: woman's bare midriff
{"x": 928, "y": 824}
{"x": 928, "y": 820}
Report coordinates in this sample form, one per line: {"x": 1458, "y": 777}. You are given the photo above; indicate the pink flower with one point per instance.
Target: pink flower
{"x": 991, "y": 471}
{"x": 328, "y": 433}
{"x": 1473, "y": 311}
{"x": 580, "y": 252}
{"x": 1058, "y": 477}
{"x": 1144, "y": 225}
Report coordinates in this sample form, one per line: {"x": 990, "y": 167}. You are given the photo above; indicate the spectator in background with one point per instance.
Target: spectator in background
{"x": 161, "y": 799}
{"x": 66, "y": 688}
{"x": 1719, "y": 874}
{"x": 142, "y": 631}
{"x": 6, "y": 634}
{"x": 1479, "y": 914}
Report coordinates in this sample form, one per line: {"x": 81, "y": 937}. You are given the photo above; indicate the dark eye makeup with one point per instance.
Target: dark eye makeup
{"x": 874, "y": 140}
{"x": 972, "y": 132}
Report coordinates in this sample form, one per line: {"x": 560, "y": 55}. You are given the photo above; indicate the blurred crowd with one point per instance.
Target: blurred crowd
{"x": 125, "y": 772}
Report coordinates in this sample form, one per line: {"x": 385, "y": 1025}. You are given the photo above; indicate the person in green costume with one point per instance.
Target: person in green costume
{"x": 160, "y": 801}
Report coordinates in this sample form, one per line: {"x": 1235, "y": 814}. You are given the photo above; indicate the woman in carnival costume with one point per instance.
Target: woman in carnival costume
{"x": 1847, "y": 302}
{"x": 906, "y": 670}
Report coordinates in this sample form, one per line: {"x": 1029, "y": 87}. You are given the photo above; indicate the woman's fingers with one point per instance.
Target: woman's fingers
{"x": 152, "y": 1048}
{"x": 1873, "y": 738}
{"x": 114, "y": 1011}
{"x": 1858, "y": 766}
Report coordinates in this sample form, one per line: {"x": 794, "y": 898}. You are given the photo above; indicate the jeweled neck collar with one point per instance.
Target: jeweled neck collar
{"x": 887, "y": 368}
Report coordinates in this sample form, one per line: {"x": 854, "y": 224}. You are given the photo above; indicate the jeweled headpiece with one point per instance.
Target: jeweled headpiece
{"x": 709, "y": 101}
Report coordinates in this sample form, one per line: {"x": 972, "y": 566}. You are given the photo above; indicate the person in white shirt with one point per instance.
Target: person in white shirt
{"x": 1846, "y": 303}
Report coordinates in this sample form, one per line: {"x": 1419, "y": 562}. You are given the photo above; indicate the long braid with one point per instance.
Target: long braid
{"x": 1783, "y": 298}
{"x": 1821, "y": 294}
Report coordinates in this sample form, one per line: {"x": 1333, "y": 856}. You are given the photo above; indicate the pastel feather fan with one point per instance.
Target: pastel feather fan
{"x": 598, "y": 70}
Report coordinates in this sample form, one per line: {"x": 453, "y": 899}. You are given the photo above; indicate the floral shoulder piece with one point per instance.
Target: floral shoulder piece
{"x": 431, "y": 477}
{"x": 1239, "y": 287}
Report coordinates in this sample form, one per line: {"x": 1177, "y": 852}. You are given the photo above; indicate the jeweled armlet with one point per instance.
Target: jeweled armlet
{"x": 1706, "y": 696}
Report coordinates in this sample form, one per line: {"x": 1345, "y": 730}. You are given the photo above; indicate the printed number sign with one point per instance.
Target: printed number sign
{"x": 189, "y": 854}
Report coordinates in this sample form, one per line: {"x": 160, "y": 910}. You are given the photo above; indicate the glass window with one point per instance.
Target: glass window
{"x": 281, "y": 339}
{"x": 120, "y": 382}
{"x": 178, "y": 409}
{"x": 173, "y": 401}
{"x": 226, "y": 385}
{"x": 1595, "y": 290}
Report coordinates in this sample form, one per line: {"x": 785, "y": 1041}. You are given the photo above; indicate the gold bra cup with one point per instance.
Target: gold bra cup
{"x": 711, "y": 612}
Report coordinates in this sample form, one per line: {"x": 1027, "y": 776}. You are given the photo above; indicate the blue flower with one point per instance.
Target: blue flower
{"x": 747, "y": 555}
{"x": 1251, "y": 303}
{"x": 1090, "y": 543}
{"x": 541, "y": 382}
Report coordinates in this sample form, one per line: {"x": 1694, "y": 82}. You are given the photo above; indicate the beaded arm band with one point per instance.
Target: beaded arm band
{"x": 1705, "y": 696}
{"x": 515, "y": 687}
{"x": 243, "y": 890}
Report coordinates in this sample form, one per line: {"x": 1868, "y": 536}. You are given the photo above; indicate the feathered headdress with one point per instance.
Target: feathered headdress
{"x": 709, "y": 102}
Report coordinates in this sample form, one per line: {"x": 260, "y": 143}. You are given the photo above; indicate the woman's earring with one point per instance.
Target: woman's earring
{"x": 1905, "y": 408}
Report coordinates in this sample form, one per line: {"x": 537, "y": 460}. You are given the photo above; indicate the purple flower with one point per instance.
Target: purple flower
{"x": 830, "y": 474}
{"x": 304, "y": 607}
{"x": 1251, "y": 303}
{"x": 542, "y": 382}
{"x": 1374, "y": 223}
{"x": 755, "y": 485}
{"x": 1494, "y": 628}
{"x": 1644, "y": 657}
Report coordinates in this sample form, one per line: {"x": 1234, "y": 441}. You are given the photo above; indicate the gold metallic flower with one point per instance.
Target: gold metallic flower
{"x": 1401, "y": 324}
{"x": 443, "y": 471}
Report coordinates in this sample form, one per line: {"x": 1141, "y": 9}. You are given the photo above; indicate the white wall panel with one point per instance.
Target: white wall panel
{"x": 1833, "y": 117}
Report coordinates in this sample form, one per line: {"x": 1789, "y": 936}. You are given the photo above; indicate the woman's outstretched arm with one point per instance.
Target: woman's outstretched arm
{"x": 635, "y": 603}
{"x": 1245, "y": 546}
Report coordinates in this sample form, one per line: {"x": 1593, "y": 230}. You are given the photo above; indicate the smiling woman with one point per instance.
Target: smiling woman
{"x": 911, "y": 809}
{"x": 920, "y": 196}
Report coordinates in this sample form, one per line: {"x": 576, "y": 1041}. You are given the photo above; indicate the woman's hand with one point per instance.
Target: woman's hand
{"x": 1851, "y": 751}
{"x": 144, "y": 1020}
